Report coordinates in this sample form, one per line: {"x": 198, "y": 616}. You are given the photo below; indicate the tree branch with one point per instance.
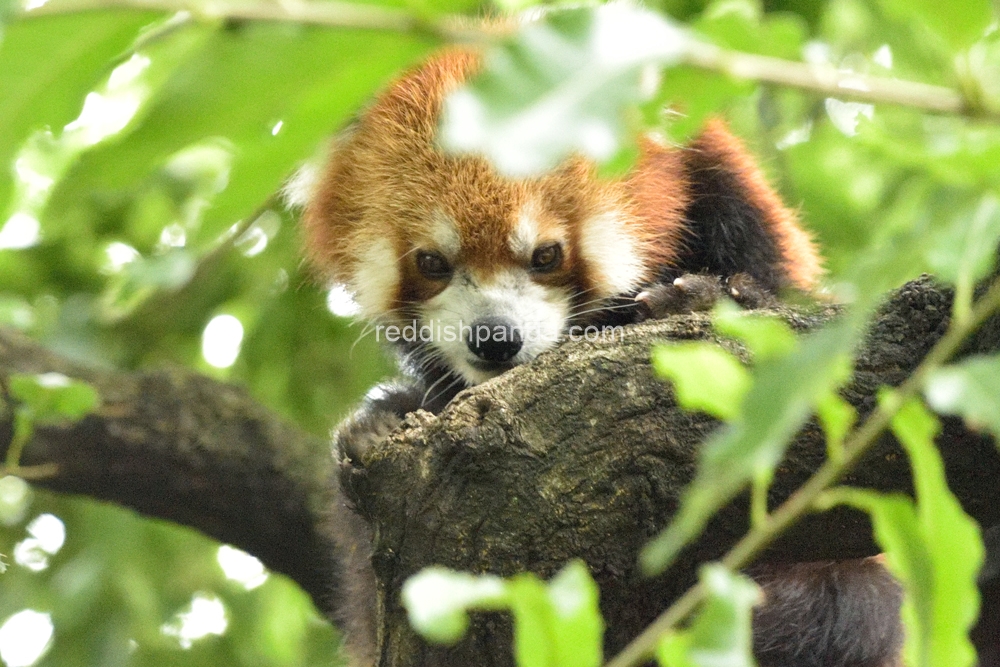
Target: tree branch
{"x": 179, "y": 446}
{"x": 825, "y": 80}
{"x": 333, "y": 14}
{"x": 580, "y": 454}
{"x": 828, "y": 80}
{"x": 584, "y": 454}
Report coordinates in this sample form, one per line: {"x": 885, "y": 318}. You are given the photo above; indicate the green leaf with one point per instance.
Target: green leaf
{"x": 304, "y": 83}
{"x": 837, "y": 416}
{"x": 964, "y": 250}
{"x": 560, "y": 86}
{"x": 954, "y": 543}
{"x": 143, "y": 277}
{"x": 53, "y": 397}
{"x": 960, "y": 23}
{"x": 534, "y": 644}
{"x": 558, "y": 625}
{"x": 932, "y": 547}
{"x": 969, "y": 389}
{"x": 765, "y": 336}
{"x": 983, "y": 69}
{"x": 437, "y": 601}
{"x": 952, "y": 538}
{"x": 705, "y": 376}
{"x": 16, "y": 312}
{"x": 720, "y": 635}
{"x": 112, "y": 108}
{"x": 47, "y": 66}
{"x": 741, "y": 25}
{"x": 784, "y": 392}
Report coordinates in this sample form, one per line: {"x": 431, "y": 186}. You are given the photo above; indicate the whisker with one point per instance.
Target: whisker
{"x": 366, "y": 331}
{"x": 424, "y": 401}
{"x": 446, "y": 389}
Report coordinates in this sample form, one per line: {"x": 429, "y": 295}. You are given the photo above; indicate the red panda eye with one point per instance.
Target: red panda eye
{"x": 547, "y": 257}
{"x": 433, "y": 265}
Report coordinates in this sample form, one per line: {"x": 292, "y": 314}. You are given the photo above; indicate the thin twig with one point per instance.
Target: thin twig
{"x": 804, "y": 498}
{"x": 822, "y": 79}
{"x": 333, "y": 13}
{"x": 31, "y": 473}
{"x": 827, "y": 80}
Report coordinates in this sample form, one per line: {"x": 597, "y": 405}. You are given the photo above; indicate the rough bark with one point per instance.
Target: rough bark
{"x": 581, "y": 454}
{"x": 584, "y": 455}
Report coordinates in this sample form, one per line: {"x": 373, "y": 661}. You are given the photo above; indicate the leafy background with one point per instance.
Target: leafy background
{"x": 159, "y": 213}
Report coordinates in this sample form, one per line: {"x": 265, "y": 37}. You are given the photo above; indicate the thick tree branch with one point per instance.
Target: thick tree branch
{"x": 179, "y": 446}
{"x": 581, "y": 454}
{"x": 584, "y": 454}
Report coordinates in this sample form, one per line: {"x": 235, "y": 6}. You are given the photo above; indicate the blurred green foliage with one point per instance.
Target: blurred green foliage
{"x": 140, "y": 154}
{"x": 556, "y": 623}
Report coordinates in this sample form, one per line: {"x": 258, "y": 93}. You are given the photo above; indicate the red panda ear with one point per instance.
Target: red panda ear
{"x": 737, "y": 222}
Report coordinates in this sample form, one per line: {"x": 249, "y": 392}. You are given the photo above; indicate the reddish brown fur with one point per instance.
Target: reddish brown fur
{"x": 386, "y": 179}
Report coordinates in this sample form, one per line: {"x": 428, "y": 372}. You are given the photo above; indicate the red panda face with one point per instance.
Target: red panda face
{"x": 483, "y": 272}
{"x": 487, "y": 271}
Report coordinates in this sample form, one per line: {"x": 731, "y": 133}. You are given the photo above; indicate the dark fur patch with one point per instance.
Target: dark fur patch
{"x": 827, "y": 614}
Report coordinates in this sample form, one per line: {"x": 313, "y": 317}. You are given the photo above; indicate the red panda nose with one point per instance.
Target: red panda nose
{"x": 494, "y": 339}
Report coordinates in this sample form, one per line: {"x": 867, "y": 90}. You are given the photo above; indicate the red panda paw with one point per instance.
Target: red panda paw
{"x": 691, "y": 293}
{"x": 747, "y": 292}
{"x": 698, "y": 292}
{"x": 361, "y": 432}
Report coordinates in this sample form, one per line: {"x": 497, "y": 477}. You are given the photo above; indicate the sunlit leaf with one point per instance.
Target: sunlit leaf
{"x": 784, "y": 393}
{"x": 960, "y": 23}
{"x": 837, "y": 416}
{"x": 53, "y": 396}
{"x": 720, "y": 635}
{"x": 144, "y": 276}
{"x": 969, "y": 389}
{"x": 743, "y": 26}
{"x": 304, "y": 85}
{"x": 437, "y": 601}
{"x": 558, "y": 624}
{"x": 559, "y": 86}
{"x": 705, "y": 377}
{"x": 47, "y": 66}
{"x": 932, "y": 547}
{"x": 764, "y": 336}
{"x": 16, "y": 312}
{"x": 964, "y": 251}
{"x": 111, "y": 108}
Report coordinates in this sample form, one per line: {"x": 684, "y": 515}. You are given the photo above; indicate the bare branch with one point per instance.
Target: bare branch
{"x": 827, "y": 80}
{"x": 824, "y": 80}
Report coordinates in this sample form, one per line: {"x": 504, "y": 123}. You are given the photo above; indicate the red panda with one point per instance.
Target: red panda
{"x": 424, "y": 238}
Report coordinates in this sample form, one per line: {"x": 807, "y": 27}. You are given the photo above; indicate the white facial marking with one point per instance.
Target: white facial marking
{"x": 445, "y": 235}
{"x": 376, "y": 279}
{"x": 538, "y": 312}
{"x": 524, "y": 237}
{"x": 607, "y": 246}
